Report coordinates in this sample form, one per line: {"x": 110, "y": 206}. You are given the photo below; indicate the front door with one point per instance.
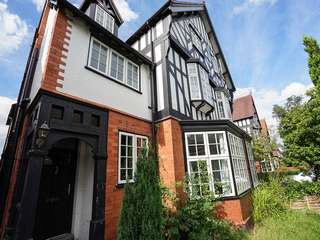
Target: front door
{"x": 55, "y": 203}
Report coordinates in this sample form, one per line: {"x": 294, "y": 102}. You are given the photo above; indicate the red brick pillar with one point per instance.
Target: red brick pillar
{"x": 171, "y": 156}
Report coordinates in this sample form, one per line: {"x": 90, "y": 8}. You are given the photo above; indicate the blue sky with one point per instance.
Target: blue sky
{"x": 261, "y": 40}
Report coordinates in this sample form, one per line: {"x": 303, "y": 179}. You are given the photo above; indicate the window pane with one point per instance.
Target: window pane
{"x": 103, "y": 59}
{"x": 200, "y": 139}
{"x": 192, "y": 151}
{"x": 201, "y": 150}
{"x": 114, "y": 62}
{"x": 191, "y": 139}
{"x": 123, "y": 162}
{"x": 77, "y": 116}
{"x": 123, "y": 175}
{"x": 95, "y": 54}
{"x": 57, "y": 112}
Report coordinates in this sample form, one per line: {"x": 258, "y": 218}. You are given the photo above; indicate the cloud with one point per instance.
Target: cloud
{"x": 13, "y": 30}
{"x": 39, "y": 4}
{"x": 265, "y": 99}
{"x": 126, "y": 12}
{"x": 5, "y": 104}
{"x": 249, "y": 4}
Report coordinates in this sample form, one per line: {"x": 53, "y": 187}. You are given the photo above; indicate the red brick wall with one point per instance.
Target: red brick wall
{"x": 170, "y": 150}
{"x": 54, "y": 72}
{"x": 117, "y": 122}
{"x": 237, "y": 211}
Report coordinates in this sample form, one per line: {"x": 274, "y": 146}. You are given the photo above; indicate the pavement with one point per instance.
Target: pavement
{"x": 308, "y": 202}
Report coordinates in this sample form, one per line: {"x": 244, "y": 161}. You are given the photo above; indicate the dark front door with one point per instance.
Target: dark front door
{"x": 55, "y": 203}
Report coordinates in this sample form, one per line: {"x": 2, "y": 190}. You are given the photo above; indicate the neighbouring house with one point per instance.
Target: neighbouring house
{"x": 89, "y": 102}
{"x": 245, "y": 115}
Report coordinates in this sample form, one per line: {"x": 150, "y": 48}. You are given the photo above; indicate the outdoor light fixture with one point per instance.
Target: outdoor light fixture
{"x": 43, "y": 133}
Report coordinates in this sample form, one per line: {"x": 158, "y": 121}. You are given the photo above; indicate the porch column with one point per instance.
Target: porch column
{"x": 30, "y": 195}
{"x": 98, "y": 211}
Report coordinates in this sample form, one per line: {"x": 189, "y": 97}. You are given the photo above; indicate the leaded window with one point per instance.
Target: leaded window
{"x": 241, "y": 172}
{"x": 130, "y": 149}
{"x": 104, "y": 19}
{"x": 194, "y": 81}
{"x": 208, "y": 163}
{"x": 99, "y": 56}
{"x": 132, "y": 75}
{"x": 252, "y": 162}
{"x": 223, "y": 105}
{"x": 117, "y": 66}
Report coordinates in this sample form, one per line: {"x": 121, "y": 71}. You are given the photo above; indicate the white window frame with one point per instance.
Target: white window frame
{"x": 252, "y": 163}
{"x": 209, "y": 158}
{"x": 225, "y": 104}
{"x": 105, "y": 16}
{"x": 135, "y": 154}
{"x": 196, "y": 76}
{"x": 239, "y": 162}
{"x": 124, "y": 80}
{"x": 138, "y": 74}
{"x": 108, "y": 65}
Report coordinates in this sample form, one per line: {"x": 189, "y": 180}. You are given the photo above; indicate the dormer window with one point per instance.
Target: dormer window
{"x": 104, "y": 19}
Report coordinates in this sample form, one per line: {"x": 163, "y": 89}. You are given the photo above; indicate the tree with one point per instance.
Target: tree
{"x": 300, "y": 122}
{"x": 141, "y": 214}
{"x": 262, "y": 148}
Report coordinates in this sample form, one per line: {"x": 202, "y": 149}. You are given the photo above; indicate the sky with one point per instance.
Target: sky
{"x": 261, "y": 41}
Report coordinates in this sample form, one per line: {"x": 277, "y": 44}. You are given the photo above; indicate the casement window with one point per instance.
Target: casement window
{"x": 208, "y": 163}
{"x": 130, "y": 148}
{"x": 117, "y": 66}
{"x": 266, "y": 166}
{"x": 132, "y": 75}
{"x": 223, "y": 105}
{"x": 194, "y": 81}
{"x": 196, "y": 40}
{"x": 241, "y": 172}
{"x": 104, "y": 19}
{"x": 112, "y": 64}
{"x": 252, "y": 162}
{"x": 99, "y": 56}
{"x": 206, "y": 88}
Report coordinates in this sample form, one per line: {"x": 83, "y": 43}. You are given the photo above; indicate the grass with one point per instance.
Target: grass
{"x": 291, "y": 225}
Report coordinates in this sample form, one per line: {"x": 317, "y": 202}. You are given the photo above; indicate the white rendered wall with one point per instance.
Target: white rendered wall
{"x": 43, "y": 54}
{"x": 83, "y": 83}
{"x": 83, "y": 193}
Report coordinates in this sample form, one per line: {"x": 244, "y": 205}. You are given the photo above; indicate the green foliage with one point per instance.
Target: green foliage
{"x": 141, "y": 216}
{"x": 300, "y": 123}
{"x": 262, "y": 148}
{"x": 295, "y": 190}
{"x": 269, "y": 200}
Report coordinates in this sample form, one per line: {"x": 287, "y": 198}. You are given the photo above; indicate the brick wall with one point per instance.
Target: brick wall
{"x": 171, "y": 156}
{"x": 117, "y": 122}
{"x": 54, "y": 72}
{"x": 237, "y": 211}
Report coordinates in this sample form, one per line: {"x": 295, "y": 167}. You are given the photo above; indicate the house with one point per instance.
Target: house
{"x": 245, "y": 115}
{"x": 90, "y": 102}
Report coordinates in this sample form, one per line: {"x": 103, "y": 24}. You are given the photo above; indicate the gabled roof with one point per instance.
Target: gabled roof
{"x": 103, "y": 33}
{"x": 174, "y": 6}
{"x": 264, "y": 128}
{"x": 243, "y": 108}
{"x": 85, "y": 4}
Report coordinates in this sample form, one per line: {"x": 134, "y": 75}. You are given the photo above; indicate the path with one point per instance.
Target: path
{"x": 308, "y": 202}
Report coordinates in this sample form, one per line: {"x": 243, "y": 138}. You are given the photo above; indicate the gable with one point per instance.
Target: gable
{"x": 108, "y": 5}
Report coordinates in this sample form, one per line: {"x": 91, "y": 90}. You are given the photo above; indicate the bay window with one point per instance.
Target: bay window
{"x": 239, "y": 162}
{"x": 112, "y": 64}
{"x": 130, "y": 148}
{"x": 252, "y": 163}
{"x": 223, "y": 105}
{"x": 104, "y": 19}
{"x": 208, "y": 163}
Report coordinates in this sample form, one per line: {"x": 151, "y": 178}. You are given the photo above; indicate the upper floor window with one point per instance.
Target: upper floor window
{"x": 194, "y": 81}
{"x": 206, "y": 88}
{"x": 112, "y": 64}
{"x": 196, "y": 40}
{"x": 104, "y": 19}
{"x": 223, "y": 106}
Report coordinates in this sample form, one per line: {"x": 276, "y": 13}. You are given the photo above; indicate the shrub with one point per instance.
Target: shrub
{"x": 141, "y": 217}
{"x": 296, "y": 190}
{"x": 269, "y": 200}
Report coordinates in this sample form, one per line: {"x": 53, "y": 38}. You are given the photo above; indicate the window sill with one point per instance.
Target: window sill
{"x": 122, "y": 185}
{"x": 112, "y": 79}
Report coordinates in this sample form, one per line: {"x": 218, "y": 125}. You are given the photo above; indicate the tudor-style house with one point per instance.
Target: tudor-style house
{"x": 89, "y": 102}
{"x": 245, "y": 115}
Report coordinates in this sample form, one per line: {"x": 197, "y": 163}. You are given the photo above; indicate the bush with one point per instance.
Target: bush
{"x": 269, "y": 200}
{"x": 141, "y": 217}
{"x": 295, "y": 190}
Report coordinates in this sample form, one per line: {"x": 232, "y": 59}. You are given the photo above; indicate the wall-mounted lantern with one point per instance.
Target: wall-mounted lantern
{"x": 43, "y": 133}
